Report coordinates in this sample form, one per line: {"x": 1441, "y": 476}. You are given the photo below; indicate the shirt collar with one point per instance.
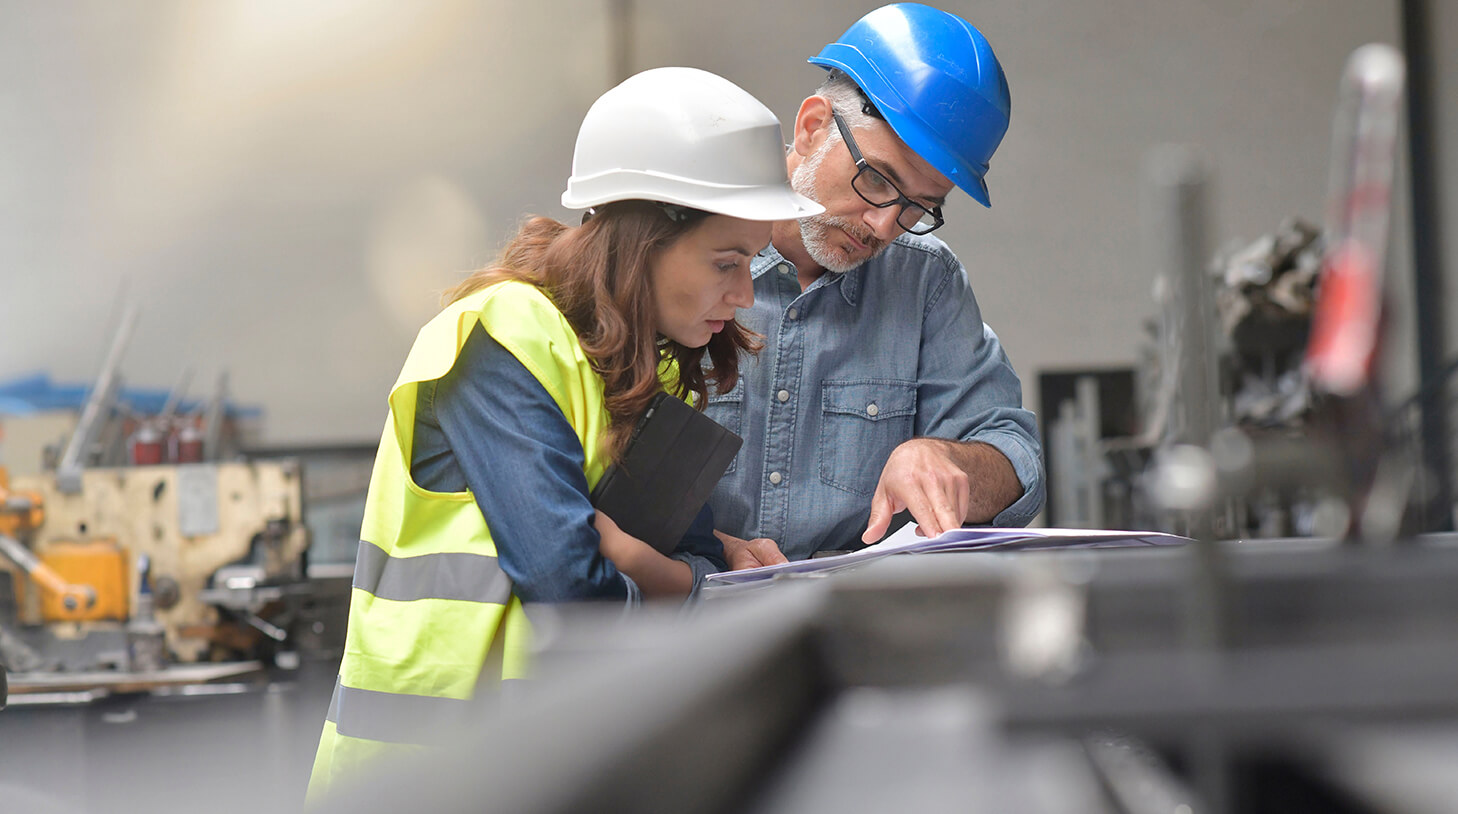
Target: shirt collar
{"x": 850, "y": 282}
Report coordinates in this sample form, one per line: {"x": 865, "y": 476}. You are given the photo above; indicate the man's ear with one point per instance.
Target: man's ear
{"x": 812, "y": 124}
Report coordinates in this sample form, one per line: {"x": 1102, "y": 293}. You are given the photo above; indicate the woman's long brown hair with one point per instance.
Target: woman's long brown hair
{"x": 597, "y": 274}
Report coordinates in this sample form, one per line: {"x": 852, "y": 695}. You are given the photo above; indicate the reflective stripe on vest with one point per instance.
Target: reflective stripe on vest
{"x": 453, "y": 575}
{"x": 393, "y": 717}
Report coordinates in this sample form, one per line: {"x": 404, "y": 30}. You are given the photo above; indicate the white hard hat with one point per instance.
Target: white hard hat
{"x": 688, "y": 137}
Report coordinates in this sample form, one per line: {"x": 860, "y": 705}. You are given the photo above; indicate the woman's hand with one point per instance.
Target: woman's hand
{"x": 655, "y": 574}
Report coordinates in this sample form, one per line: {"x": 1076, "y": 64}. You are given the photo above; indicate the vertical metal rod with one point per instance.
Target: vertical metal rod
{"x": 1428, "y": 263}
{"x": 175, "y": 395}
{"x": 1180, "y": 177}
{"x": 1091, "y": 456}
{"x": 68, "y": 471}
{"x": 213, "y": 418}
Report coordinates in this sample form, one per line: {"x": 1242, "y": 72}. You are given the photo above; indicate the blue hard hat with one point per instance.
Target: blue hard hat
{"x": 935, "y": 80}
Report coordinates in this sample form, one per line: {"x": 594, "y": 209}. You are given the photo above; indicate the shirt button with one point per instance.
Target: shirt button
{"x": 793, "y": 313}
{"x": 872, "y": 409}
{"x": 783, "y": 395}
{"x": 775, "y": 478}
{"x": 784, "y": 268}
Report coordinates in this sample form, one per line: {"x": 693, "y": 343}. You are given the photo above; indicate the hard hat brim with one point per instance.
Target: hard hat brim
{"x": 758, "y": 203}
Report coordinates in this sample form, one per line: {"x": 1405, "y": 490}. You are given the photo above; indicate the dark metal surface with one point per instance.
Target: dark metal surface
{"x": 890, "y": 686}
{"x": 663, "y": 714}
{"x": 895, "y": 685}
{"x": 927, "y": 749}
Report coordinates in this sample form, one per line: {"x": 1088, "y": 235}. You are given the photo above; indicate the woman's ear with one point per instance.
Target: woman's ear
{"x": 812, "y": 124}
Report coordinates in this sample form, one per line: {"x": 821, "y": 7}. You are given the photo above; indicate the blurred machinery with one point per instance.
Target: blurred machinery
{"x": 1268, "y": 350}
{"x": 170, "y": 565}
{"x": 1255, "y": 301}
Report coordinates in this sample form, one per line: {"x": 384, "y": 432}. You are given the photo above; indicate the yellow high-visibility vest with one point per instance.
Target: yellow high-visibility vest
{"x": 430, "y": 603}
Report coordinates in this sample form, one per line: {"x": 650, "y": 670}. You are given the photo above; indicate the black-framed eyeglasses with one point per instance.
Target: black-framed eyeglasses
{"x": 878, "y": 191}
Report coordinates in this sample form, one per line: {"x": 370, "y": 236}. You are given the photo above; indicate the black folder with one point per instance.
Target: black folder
{"x": 672, "y": 463}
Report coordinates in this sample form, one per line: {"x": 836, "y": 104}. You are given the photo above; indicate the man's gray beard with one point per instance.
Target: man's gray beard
{"x": 819, "y": 232}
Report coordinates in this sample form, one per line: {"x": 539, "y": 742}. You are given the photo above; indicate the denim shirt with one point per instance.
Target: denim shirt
{"x": 854, "y": 365}
{"x": 490, "y": 426}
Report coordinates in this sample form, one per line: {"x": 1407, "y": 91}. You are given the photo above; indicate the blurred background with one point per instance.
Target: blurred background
{"x": 285, "y": 188}
{"x": 265, "y": 198}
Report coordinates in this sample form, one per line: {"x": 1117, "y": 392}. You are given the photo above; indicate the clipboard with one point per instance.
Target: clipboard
{"x": 673, "y": 461}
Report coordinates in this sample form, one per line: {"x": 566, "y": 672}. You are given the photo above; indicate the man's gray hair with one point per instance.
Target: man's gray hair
{"x": 845, "y": 98}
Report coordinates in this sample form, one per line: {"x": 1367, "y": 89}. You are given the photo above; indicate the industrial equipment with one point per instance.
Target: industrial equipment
{"x": 170, "y": 565}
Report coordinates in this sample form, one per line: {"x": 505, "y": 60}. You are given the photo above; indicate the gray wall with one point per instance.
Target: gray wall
{"x": 286, "y": 187}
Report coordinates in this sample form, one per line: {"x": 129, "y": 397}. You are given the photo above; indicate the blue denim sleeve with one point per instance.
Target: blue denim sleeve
{"x": 497, "y": 429}
{"x": 969, "y": 391}
{"x": 701, "y": 550}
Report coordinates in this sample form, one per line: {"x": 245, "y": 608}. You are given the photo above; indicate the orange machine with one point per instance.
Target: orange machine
{"x": 22, "y": 512}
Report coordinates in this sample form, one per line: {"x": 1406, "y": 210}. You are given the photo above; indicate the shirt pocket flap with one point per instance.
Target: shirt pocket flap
{"x": 871, "y": 399}
{"x": 732, "y": 397}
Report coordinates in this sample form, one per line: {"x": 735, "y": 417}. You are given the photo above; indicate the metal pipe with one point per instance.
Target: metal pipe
{"x": 216, "y": 413}
{"x": 174, "y": 396}
{"x": 68, "y": 472}
{"x": 1428, "y": 263}
{"x": 1180, "y": 176}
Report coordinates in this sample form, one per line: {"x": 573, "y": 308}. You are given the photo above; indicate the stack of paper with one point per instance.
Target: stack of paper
{"x": 906, "y": 541}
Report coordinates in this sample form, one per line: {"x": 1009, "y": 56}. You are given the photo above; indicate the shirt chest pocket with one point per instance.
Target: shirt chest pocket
{"x": 861, "y": 422}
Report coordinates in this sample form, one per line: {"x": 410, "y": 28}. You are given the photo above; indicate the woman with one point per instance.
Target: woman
{"x": 517, "y": 396}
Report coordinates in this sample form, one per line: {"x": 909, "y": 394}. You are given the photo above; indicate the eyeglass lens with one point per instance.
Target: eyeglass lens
{"x": 877, "y": 190}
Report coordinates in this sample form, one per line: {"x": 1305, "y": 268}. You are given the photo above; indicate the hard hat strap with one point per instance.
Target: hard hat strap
{"x": 676, "y": 213}
{"x": 868, "y": 107}
{"x": 679, "y": 214}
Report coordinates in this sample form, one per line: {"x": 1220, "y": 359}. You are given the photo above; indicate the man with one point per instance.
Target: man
{"x": 879, "y": 389}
